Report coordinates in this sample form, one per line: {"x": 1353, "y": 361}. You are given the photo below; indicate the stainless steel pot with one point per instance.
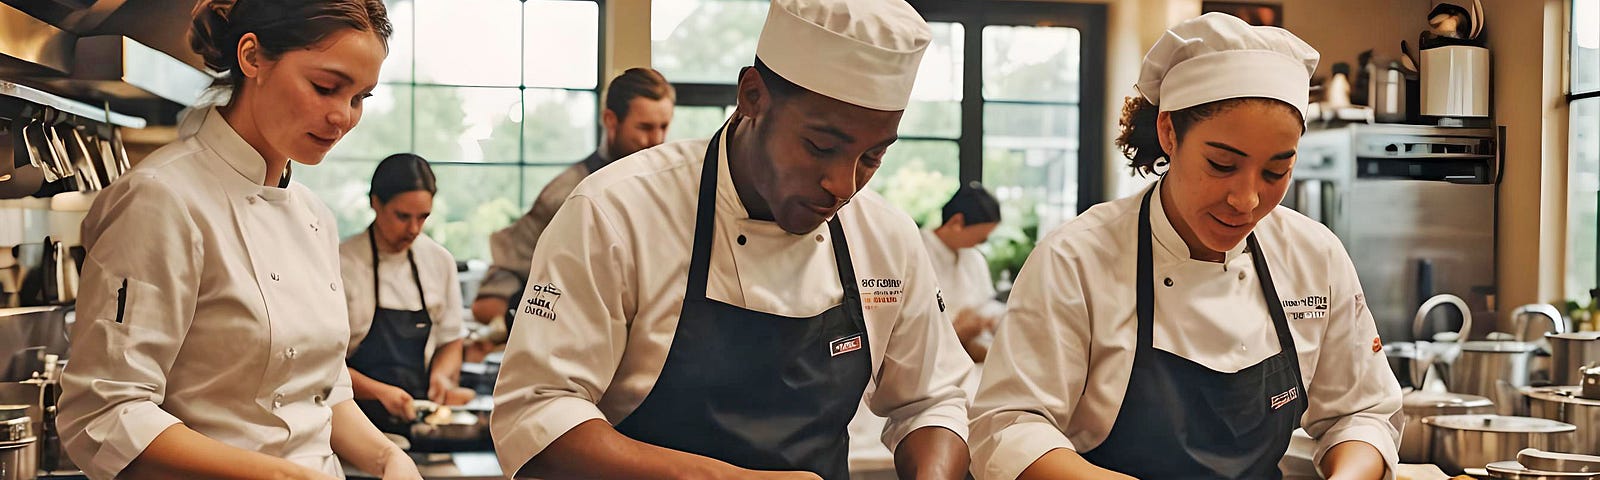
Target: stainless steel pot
{"x": 1494, "y": 369}
{"x": 1563, "y": 404}
{"x": 19, "y": 454}
{"x": 1569, "y": 352}
{"x": 1473, "y": 441}
{"x": 1414, "y": 443}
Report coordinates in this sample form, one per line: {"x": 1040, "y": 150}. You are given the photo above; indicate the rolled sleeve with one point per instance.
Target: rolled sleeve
{"x": 919, "y": 380}
{"x": 135, "y": 307}
{"x": 567, "y": 345}
{"x": 1035, "y": 375}
{"x": 1353, "y": 395}
{"x": 342, "y": 390}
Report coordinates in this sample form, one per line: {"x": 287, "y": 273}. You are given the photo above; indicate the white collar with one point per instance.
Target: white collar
{"x": 212, "y": 130}
{"x": 938, "y": 252}
{"x": 1167, "y": 237}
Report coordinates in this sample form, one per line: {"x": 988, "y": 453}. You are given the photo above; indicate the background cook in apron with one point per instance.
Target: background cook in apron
{"x": 1168, "y": 334}
{"x": 404, "y": 300}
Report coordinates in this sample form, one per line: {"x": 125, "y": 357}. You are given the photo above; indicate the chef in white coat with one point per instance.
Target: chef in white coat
{"x": 211, "y": 327}
{"x": 403, "y": 299}
{"x": 718, "y": 307}
{"x": 1186, "y": 331}
{"x": 970, "y": 217}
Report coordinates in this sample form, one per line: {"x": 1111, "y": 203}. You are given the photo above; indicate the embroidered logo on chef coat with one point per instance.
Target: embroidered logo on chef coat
{"x": 1279, "y": 400}
{"x": 542, "y": 303}
{"x": 1310, "y": 306}
{"x": 878, "y": 292}
{"x": 845, "y": 345}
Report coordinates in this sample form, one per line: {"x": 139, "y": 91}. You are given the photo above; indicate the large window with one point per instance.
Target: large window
{"x": 498, "y": 111}
{"x": 998, "y": 99}
{"x": 1583, "y": 208}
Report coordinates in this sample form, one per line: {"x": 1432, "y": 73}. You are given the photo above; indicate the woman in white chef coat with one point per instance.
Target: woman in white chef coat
{"x": 1186, "y": 331}
{"x": 404, "y": 301}
{"x": 969, "y": 217}
{"x": 211, "y": 333}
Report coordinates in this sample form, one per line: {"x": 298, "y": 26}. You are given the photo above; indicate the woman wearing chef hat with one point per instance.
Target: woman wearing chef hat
{"x": 211, "y": 330}
{"x": 1186, "y": 331}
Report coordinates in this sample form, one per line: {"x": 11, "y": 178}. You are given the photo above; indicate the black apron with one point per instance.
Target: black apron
{"x": 759, "y": 391}
{"x": 394, "y": 348}
{"x": 1180, "y": 419}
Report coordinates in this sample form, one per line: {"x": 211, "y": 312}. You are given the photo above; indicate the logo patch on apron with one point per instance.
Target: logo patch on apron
{"x": 1279, "y": 400}
{"x": 845, "y": 345}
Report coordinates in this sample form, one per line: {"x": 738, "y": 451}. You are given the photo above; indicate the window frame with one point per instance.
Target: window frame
{"x": 1088, "y": 19}
{"x": 1573, "y": 96}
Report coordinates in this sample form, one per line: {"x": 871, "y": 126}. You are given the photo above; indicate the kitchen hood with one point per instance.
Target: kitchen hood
{"x": 128, "y": 55}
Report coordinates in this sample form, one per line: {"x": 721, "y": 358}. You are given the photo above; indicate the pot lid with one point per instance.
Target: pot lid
{"x": 1425, "y": 399}
{"x": 1574, "y": 335}
{"x": 1566, "y": 394}
{"x": 1498, "y": 346}
{"x": 8, "y": 412}
{"x": 1498, "y": 423}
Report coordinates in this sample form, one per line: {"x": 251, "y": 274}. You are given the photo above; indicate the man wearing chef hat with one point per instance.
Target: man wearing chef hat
{"x": 717, "y": 308}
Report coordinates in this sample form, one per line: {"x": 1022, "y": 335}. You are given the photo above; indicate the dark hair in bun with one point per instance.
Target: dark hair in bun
{"x": 279, "y": 25}
{"x": 401, "y": 173}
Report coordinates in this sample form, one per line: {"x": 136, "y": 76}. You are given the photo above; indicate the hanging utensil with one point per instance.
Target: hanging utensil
{"x": 78, "y": 151}
{"x": 37, "y": 149}
{"x": 120, "y": 151}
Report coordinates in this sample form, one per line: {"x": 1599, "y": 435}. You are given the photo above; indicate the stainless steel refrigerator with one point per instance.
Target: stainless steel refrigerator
{"x": 1415, "y": 207}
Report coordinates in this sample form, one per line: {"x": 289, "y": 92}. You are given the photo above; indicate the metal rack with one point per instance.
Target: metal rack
{"x": 66, "y": 105}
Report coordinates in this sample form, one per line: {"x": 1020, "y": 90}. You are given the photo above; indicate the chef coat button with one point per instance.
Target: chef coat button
{"x": 1168, "y": 281}
{"x": 333, "y": 286}
{"x": 274, "y": 277}
{"x": 252, "y": 200}
{"x": 741, "y": 240}
{"x": 819, "y": 238}
{"x": 314, "y": 228}
{"x": 1241, "y": 275}
{"x": 318, "y": 400}
{"x": 290, "y": 353}
{"x": 277, "y": 401}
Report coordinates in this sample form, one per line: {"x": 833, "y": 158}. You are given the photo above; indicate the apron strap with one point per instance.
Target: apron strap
{"x": 1146, "y": 280}
{"x": 416, "y": 277}
{"x": 1280, "y": 321}
{"x": 705, "y": 219}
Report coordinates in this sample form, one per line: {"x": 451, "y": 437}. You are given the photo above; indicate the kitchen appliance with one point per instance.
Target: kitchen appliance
{"x": 1570, "y": 352}
{"x": 1474, "y": 441}
{"x": 1558, "y": 462}
{"x": 1455, "y": 81}
{"x": 18, "y": 451}
{"x": 1494, "y": 369}
{"x": 1417, "y": 405}
{"x": 1415, "y": 207}
{"x": 1564, "y": 404}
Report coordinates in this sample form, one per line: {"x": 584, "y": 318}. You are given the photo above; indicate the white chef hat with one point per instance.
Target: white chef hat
{"x": 861, "y": 52}
{"x": 1217, "y": 56}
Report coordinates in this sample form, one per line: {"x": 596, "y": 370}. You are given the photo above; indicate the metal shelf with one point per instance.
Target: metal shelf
{"x": 66, "y": 105}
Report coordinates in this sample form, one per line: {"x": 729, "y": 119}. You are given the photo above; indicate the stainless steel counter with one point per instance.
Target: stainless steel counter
{"x": 457, "y": 466}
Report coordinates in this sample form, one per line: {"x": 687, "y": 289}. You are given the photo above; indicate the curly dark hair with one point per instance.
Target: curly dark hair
{"x": 1140, "y": 139}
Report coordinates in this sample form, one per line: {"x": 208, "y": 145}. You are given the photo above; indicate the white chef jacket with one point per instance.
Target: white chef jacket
{"x": 1059, "y": 368}
{"x": 207, "y": 299}
{"x": 398, "y": 291}
{"x": 618, "y": 252}
{"x": 963, "y": 277}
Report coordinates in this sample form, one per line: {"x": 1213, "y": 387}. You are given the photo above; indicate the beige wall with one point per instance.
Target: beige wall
{"x": 1528, "y": 83}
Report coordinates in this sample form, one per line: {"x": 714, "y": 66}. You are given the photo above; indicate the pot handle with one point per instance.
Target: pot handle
{"x": 1519, "y": 318}
{"x": 1435, "y": 301}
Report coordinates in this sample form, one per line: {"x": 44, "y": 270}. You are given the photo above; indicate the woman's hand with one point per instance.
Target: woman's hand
{"x": 397, "y": 402}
